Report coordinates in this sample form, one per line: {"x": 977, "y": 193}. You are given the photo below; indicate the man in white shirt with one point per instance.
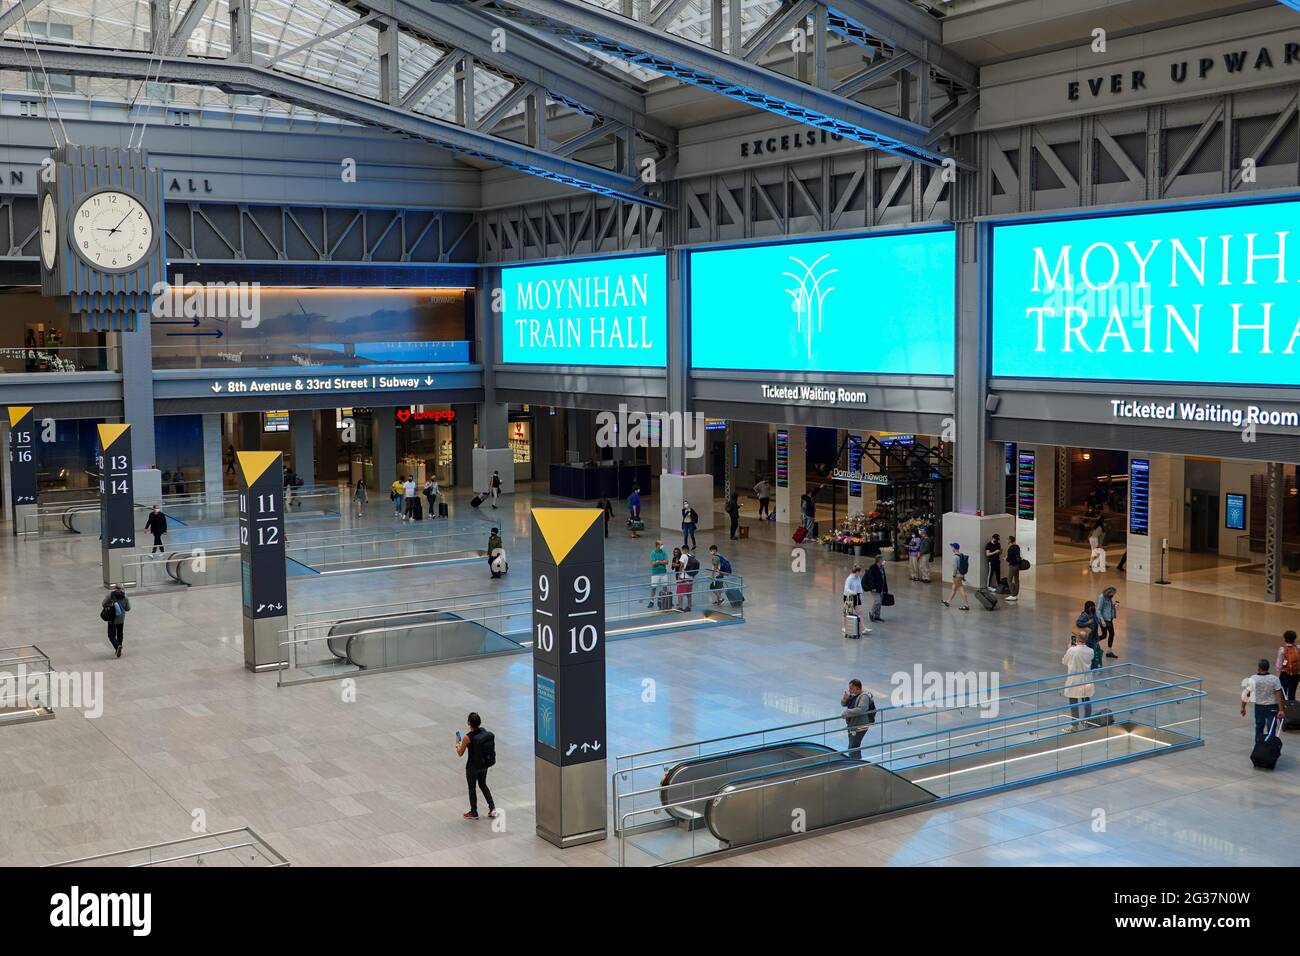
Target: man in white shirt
{"x": 1264, "y": 690}
{"x": 853, "y": 600}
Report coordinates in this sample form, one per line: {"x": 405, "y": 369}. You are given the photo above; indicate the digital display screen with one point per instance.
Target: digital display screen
{"x": 855, "y": 464}
{"x": 783, "y": 459}
{"x": 1234, "y": 516}
{"x": 599, "y": 312}
{"x": 869, "y": 304}
{"x": 1207, "y": 295}
{"x": 1026, "y": 467}
{"x": 1139, "y": 496}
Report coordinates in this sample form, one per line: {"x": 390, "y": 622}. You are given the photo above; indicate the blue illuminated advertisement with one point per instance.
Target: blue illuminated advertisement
{"x": 547, "y": 724}
{"x": 1208, "y": 295}
{"x": 607, "y": 312}
{"x": 870, "y": 304}
{"x": 1235, "y": 512}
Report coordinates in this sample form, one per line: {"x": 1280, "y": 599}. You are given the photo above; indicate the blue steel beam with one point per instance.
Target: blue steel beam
{"x": 236, "y": 77}
{"x": 600, "y": 29}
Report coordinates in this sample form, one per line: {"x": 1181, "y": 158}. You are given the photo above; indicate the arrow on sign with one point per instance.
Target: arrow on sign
{"x": 428, "y": 380}
{"x": 216, "y": 386}
{"x": 215, "y": 333}
{"x": 192, "y": 323}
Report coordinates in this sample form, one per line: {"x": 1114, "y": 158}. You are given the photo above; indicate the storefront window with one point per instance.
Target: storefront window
{"x": 38, "y": 338}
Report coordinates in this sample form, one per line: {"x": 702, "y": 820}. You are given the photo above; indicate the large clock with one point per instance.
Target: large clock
{"x": 49, "y": 232}
{"x": 112, "y": 231}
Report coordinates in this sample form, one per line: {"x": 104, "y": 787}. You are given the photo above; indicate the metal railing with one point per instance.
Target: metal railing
{"x": 326, "y": 551}
{"x": 241, "y": 847}
{"x": 909, "y": 756}
{"x": 26, "y": 684}
{"x": 479, "y": 624}
{"x": 307, "y": 356}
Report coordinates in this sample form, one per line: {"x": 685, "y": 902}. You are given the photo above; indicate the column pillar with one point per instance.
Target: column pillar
{"x": 1036, "y": 503}
{"x": 262, "y": 558}
{"x": 137, "y": 407}
{"x": 20, "y": 468}
{"x": 1274, "y": 486}
{"x": 1146, "y": 538}
{"x": 791, "y": 473}
{"x": 462, "y": 446}
{"x": 117, "y": 519}
{"x": 213, "y": 458}
{"x": 979, "y": 499}
{"x": 492, "y": 452}
{"x": 302, "y": 439}
{"x": 384, "y": 428}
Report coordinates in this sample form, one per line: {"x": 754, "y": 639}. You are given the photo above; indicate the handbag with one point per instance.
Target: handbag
{"x": 886, "y": 600}
{"x": 1024, "y": 564}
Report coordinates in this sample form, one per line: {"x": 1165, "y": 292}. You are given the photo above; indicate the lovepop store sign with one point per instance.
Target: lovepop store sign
{"x": 1202, "y": 295}
{"x": 605, "y": 312}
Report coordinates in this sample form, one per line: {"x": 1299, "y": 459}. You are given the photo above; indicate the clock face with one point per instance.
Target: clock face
{"x": 112, "y": 231}
{"x": 49, "y": 232}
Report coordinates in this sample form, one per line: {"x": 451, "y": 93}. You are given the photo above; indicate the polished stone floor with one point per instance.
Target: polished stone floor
{"x": 188, "y": 735}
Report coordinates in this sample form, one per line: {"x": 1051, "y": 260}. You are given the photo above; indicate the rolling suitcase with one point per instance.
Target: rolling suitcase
{"x": 665, "y": 599}
{"x": 1291, "y": 715}
{"x": 986, "y": 598}
{"x": 735, "y": 597}
{"x": 1265, "y": 752}
{"x": 442, "y": 509}
{"x": 799, "y": 534}
{"x": 417, "y": 510}
{"x": 851, "y": 626}
{"x": 476, "y": 500}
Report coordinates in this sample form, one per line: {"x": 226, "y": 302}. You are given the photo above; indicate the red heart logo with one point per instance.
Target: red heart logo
{"x": 403, "y": 414}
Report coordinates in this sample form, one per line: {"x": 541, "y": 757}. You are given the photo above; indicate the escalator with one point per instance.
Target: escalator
{"x": 704, "y": 776}
{"x": 413, "y": 637}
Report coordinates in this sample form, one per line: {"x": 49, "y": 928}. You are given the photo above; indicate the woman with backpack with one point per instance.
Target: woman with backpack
{"x": 481, "y": 744}
{"x": 1086, "y": 627}
{"x": 960, "y": 568}
{"x": 113, "y": 612}
{"x": 1288, "y": 665}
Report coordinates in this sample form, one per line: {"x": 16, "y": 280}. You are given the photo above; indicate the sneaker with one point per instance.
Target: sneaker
{"x": 494, "y": 813}
{"x": 469, "y": 815}
{"x": 117, "y": 651}
{"x": 866, "y": 630}
{"x": 1012, "y": 597}
{"x": 1114, "y": 656}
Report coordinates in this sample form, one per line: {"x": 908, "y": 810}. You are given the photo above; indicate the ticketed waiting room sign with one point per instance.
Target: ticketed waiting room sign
{"x": 596, "y": 312}
{"x": 1207, "y": 295}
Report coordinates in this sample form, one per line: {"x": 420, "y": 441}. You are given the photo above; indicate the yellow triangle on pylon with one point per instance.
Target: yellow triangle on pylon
{"x": 110, "y": 433}
{"x": 253, "y": 463}
{"x": 562, "y": 528}
{"x": 16, "y": 413}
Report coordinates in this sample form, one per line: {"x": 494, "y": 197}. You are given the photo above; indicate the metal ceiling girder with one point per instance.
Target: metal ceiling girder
{"x": 906, "y": 28}
{"x": 567, "y": 79}
{"x": 697, "y": 65}
{"x": 234, "y": 77}
{"x": 16, "y": 12}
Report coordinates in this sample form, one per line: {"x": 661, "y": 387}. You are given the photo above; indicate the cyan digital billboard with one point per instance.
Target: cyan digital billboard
{"x": 608, "y": 312}
{"x": 1203, "y": 295}
{"x": 870, "y": 304}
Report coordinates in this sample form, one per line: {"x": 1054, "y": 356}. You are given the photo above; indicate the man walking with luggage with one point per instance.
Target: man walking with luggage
{"x": 960, "y": 568}
{"x": 1265, "y": 691}
{"x": 858, "y": 712}
{"x": 877, "y": 586}
{"x": 481, "y": 745}
{"x": 495, "y": 544}
{"x": 634, "y": 512}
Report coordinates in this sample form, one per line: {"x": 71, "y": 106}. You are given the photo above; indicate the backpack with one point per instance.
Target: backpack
{"x": 724, "y": 565}
{"x": 107, "y": 612}
{"x": 1290, "y": 659}
{"x": 871, "y": 708}
{"x": 963, "y": 564}
{"x": 485, "y": 749}
{"x": 695, "y": 518}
